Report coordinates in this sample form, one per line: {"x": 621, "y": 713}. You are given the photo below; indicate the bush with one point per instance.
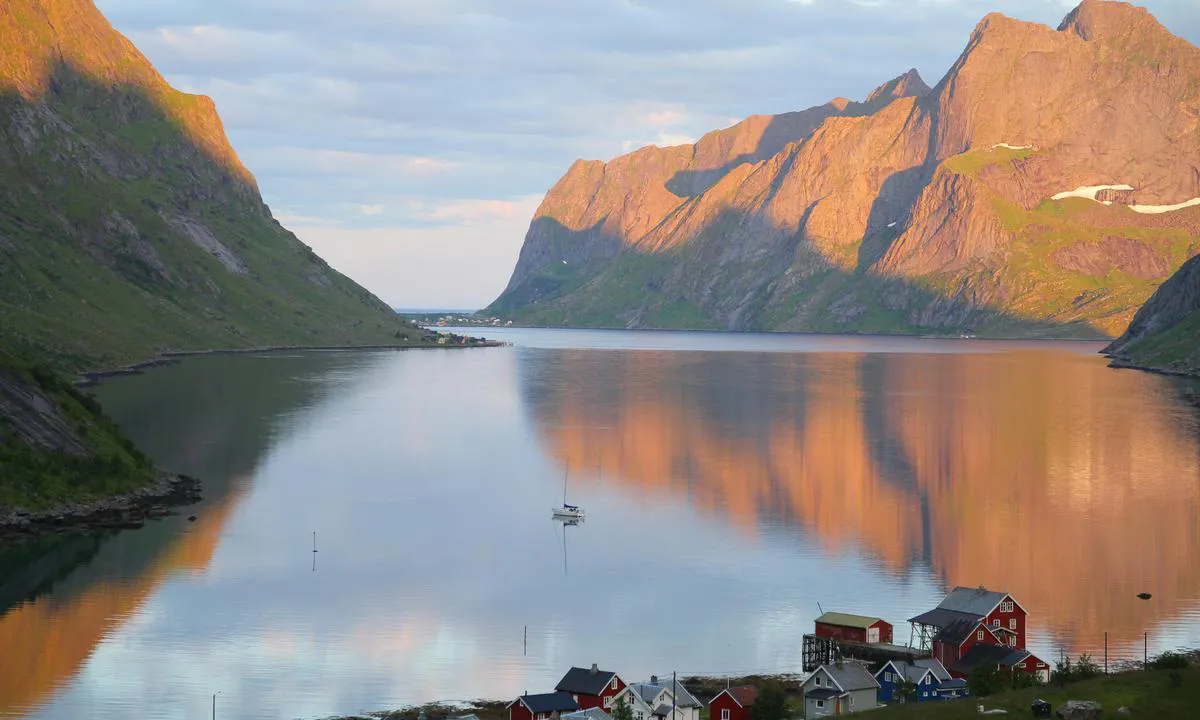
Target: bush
{"x": 1170, "y": 661}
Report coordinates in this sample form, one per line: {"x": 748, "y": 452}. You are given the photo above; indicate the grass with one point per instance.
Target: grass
{"x": 1147, "y": 694}
{"x": 972, "y": 161}
{"x": 93, "y": 271}
{"x": 34, "y": 479}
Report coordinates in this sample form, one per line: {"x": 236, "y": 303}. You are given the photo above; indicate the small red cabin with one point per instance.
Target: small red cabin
{"x": 591, "y": 688}
{"x": 854, "y": 628}
{"x": 733, "y": 703}
{"x": 545, "y": 706}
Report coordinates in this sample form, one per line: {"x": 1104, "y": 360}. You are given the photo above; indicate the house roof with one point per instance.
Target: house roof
{"x": 548, "y": 702}
{"x": 588, "y": 714}
{"x": 939, "y": 617}
{"x": 935, "y": 666}
{"x": 953, "y": 684}
{"x": 585, "y": 681}
{"x": 974, "y": 601}
{"x": 822, "y": 694}
{"x": 850, "y": 676}
{"x": 663, "y": 710}
{"x": 916, "y": 670}
{"x": 848, "y": 620}
{"x": 958, "y": 631}
{"x": 683, "y": 698}
{"x": 989, "y": 655}
{"x": 646, "y": 691}
{"x": 743, "y": 695}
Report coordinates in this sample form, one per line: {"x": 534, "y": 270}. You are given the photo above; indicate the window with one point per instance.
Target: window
{"x": 996, "y": 622}
{"x": 887, "y": 677}
{"x": 979, "y": 635}
{"x": 1006, "y": 606}
{"x": 851, "y": 701}
{"x": 1012, "y": 624}
{"x": 924, "y": 694}
{"x": 614, "y": 682}
{"x": 608, "y": 702}
{"x": 640, "y": 715}
{"x": 820, "y": 704}
{"x": 1012, "y": 641}
{"x": 818, "y": 680}
{"x": 724, "y": 713}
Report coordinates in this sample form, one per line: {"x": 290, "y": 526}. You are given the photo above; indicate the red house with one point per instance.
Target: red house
{"x": 546, "y": 706}
{"x": 1001, "y": 657}
{"x": 733, "y": 703}
{"x": 1003, "y": 615}
{"x": 956, "y": 639}
{"x": 591, "y": 688}
{"x": 855, "y": 628}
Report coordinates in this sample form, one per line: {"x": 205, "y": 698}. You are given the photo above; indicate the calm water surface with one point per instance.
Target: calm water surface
{"x": 732, "y": 482}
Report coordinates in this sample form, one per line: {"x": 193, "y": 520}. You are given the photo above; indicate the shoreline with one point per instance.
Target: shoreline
{"x": 704, "y": 687}
{"x": 120, "y": 512}
{"x": 1118, "y": 363}
{"x": 91, "y": 378}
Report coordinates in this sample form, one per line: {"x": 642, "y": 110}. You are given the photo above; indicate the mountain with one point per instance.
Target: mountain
{"x": 1165, "y": 333}
{"x": 129, "y": 226}
{"x": 1045, "y": 186}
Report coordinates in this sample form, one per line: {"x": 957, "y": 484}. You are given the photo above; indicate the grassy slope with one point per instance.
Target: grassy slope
{"x": 99, "y": 159}
{"x": 1147, "y": 694}
{"x": 1176, "y": 348}
{"x": 38, "y": 480}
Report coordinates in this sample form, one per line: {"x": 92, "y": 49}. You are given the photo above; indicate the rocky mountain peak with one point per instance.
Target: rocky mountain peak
{"x": 910, "y": 84}
{"x": 1100, "y": 19}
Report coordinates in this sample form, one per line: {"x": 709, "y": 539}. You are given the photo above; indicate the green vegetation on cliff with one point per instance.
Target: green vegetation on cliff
{"x": 128, "y": 226}
{"x": 57, "y": 446}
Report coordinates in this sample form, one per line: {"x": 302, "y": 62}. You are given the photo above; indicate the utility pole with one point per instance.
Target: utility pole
{"x": 214, "y": 704}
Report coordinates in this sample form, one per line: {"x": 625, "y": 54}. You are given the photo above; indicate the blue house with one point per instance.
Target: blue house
{"x": 930, "y": 677}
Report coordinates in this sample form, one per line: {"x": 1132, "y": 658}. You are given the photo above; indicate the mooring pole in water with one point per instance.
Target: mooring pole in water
{"x": 314, "y": 540}
{"x": 525, "y": 642}
{"x": 1105, "y": 652}
{"x": 1145, "y": 651}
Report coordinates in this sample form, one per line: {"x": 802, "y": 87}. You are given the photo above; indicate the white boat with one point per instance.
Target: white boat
{"x": 566, "y": 510}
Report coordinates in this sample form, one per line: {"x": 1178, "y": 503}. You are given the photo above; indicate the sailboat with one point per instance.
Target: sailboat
{"x": 567, "y": 511}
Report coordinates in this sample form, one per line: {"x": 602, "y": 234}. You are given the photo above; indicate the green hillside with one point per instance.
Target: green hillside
{"x": 128, "y": 226}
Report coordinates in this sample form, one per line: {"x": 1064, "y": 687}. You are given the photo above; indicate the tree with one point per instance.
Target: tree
{"x": 771, "y": 703}
{"x": 621, "y": 710}
{"x": 984, "y": 680}
{"x": 905, "y": 690}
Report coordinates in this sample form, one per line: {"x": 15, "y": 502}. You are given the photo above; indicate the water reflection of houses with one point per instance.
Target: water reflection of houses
{"x": 1009, "y": 469}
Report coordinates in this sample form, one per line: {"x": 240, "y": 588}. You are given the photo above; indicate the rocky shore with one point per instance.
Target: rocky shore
{"x": 130, "y": 510}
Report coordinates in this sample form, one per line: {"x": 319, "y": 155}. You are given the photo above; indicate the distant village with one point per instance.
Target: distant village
{"x": 851, "y": 662}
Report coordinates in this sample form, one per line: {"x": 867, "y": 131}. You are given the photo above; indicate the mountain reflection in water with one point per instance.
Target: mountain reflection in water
{"x": 1048, "y": 474}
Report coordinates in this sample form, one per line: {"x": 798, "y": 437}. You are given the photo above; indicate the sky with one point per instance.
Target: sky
{"x": 409, "y": 142}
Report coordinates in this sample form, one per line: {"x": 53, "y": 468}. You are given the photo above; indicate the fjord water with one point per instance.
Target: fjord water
{"x": 731, "y": 482}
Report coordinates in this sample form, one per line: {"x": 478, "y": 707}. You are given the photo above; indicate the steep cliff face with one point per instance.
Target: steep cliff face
{"x": 919, "y": 209}
{"x": 1165, "y": 333}
{"x": 127, "y": 223}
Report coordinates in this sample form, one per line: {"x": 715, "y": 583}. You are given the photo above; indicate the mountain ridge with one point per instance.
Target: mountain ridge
{"x": 920, "y": 213}
{"x": 128, "y": 224}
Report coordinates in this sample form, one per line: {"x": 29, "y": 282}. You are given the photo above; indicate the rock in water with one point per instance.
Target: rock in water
{"x": 1079, "y": 710}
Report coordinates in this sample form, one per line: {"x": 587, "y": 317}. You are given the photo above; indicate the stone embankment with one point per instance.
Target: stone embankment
{"x": 130, "y": 510}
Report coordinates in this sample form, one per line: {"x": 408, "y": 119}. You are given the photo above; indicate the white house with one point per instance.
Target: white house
{"x": 840, "y": 689}
{"x": 659, "y": 700}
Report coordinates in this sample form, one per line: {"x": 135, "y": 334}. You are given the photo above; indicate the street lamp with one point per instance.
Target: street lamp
{"x": 214, "y": 714}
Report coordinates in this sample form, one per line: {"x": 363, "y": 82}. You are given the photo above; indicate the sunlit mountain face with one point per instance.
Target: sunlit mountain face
{"x": 1047, "y": 474}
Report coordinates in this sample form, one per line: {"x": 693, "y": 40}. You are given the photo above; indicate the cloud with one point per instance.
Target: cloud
{"x": 467, "y": 247}
{"x": 340, "y": 104}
